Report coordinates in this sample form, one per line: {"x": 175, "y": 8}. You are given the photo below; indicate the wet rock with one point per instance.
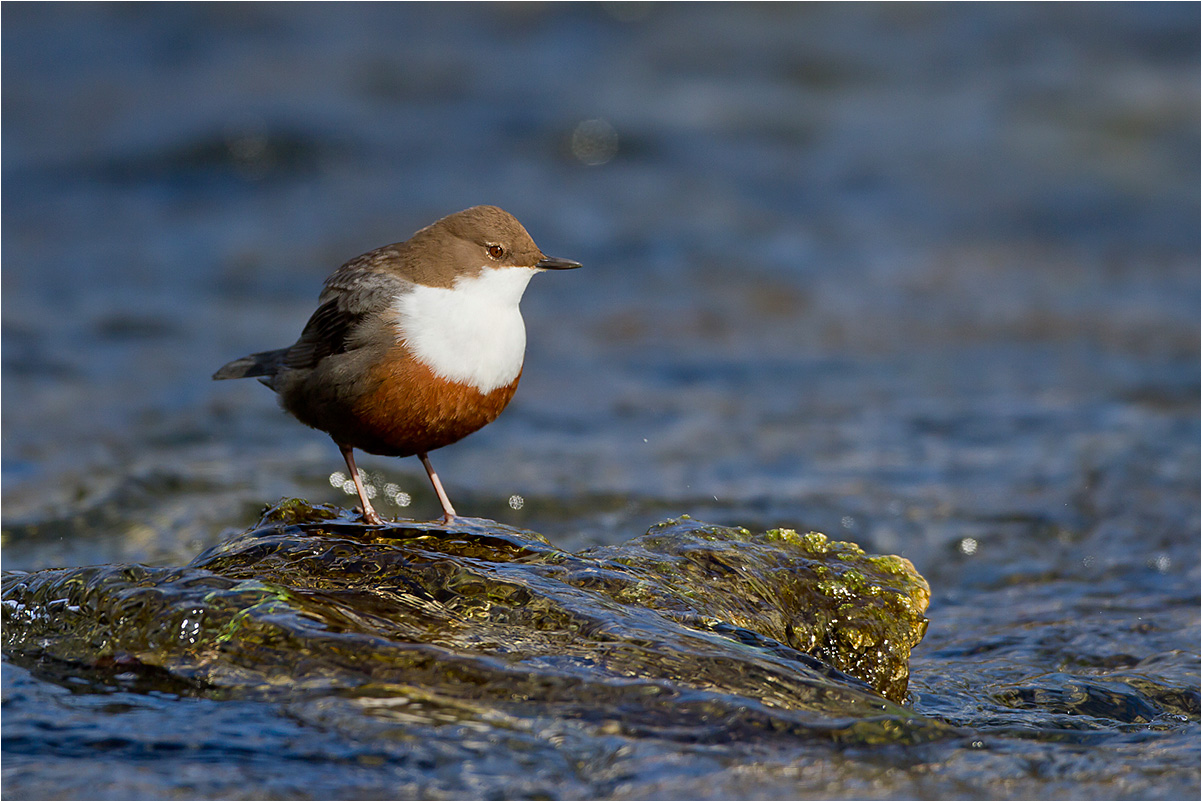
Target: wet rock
{"x": 690, "y": 631}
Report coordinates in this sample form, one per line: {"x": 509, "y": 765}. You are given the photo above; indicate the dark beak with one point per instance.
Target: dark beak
{"x": 549, "y": 263}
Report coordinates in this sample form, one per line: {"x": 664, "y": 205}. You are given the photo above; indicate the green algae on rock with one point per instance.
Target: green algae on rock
{"x": 859, "y": 613}
{"x": 693, "y": 631}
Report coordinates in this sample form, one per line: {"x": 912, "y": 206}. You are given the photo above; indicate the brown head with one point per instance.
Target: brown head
{"x": 467, "y": 242}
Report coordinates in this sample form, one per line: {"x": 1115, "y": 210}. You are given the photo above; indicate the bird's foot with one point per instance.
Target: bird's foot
{"x": 370, "y": 517}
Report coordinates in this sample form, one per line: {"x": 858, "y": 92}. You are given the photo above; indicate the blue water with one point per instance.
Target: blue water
{"x": 921, "y": 277}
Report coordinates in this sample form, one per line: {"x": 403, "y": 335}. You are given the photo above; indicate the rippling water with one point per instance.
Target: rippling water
{"x": 920, "y": 277}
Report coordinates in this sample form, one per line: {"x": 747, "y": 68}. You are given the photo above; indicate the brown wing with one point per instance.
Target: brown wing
{"x": 356, "y": 291}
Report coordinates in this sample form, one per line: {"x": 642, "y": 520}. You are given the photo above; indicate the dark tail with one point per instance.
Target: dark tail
{"x": 266, "y": 363}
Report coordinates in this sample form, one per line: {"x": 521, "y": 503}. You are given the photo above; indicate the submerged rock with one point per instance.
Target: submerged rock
{"x": 691, "y": 630}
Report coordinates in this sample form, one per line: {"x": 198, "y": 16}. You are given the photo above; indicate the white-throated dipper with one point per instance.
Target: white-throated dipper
{"x": 414, "y": 345}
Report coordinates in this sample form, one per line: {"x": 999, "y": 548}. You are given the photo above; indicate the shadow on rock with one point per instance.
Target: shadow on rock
{"x": 692, "y": 632}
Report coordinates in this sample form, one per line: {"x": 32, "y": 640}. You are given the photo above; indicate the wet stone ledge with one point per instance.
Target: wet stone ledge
{"x": 690, "y": 628}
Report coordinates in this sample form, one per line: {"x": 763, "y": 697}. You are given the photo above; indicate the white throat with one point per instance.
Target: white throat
{"x": 472, "y": 332}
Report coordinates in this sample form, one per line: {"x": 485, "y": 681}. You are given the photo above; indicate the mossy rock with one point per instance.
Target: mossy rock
{"x": 806, "y": 634}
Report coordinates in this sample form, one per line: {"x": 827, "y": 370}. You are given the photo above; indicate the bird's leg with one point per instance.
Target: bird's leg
{"x": 369, "y": 515}
{"x": 448, "y": 512}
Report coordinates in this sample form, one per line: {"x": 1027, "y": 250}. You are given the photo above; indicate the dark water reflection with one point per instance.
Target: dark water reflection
{"x": 922, "y": 277}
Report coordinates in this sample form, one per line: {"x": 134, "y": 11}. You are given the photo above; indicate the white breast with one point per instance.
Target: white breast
{"x": 471, "y": 333}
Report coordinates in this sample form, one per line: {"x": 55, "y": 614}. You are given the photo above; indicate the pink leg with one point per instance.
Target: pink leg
{"x": 369, "y": 514}
{"x": 448, "y": 512}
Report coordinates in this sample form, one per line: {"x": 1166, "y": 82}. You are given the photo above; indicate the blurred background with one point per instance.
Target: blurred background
{"x": 911, "y": 275}
{"x": 922, "y": 277}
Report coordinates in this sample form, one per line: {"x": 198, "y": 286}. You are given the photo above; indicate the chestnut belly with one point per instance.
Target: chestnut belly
{"x": 411, "y": 411}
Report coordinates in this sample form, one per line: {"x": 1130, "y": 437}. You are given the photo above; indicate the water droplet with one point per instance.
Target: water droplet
{"x": 594, "y": 142}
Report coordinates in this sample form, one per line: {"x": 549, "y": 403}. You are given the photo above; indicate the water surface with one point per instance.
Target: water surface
{"x": 922, "y": 278}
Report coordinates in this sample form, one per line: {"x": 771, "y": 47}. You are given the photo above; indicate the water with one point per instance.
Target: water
{"x": 923, "y": 278}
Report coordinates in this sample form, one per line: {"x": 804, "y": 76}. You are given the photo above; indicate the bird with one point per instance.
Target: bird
{"x": 413, "y": 345}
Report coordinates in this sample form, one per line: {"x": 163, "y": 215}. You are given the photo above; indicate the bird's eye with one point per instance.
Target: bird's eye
{"x": 496, "y": 251}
